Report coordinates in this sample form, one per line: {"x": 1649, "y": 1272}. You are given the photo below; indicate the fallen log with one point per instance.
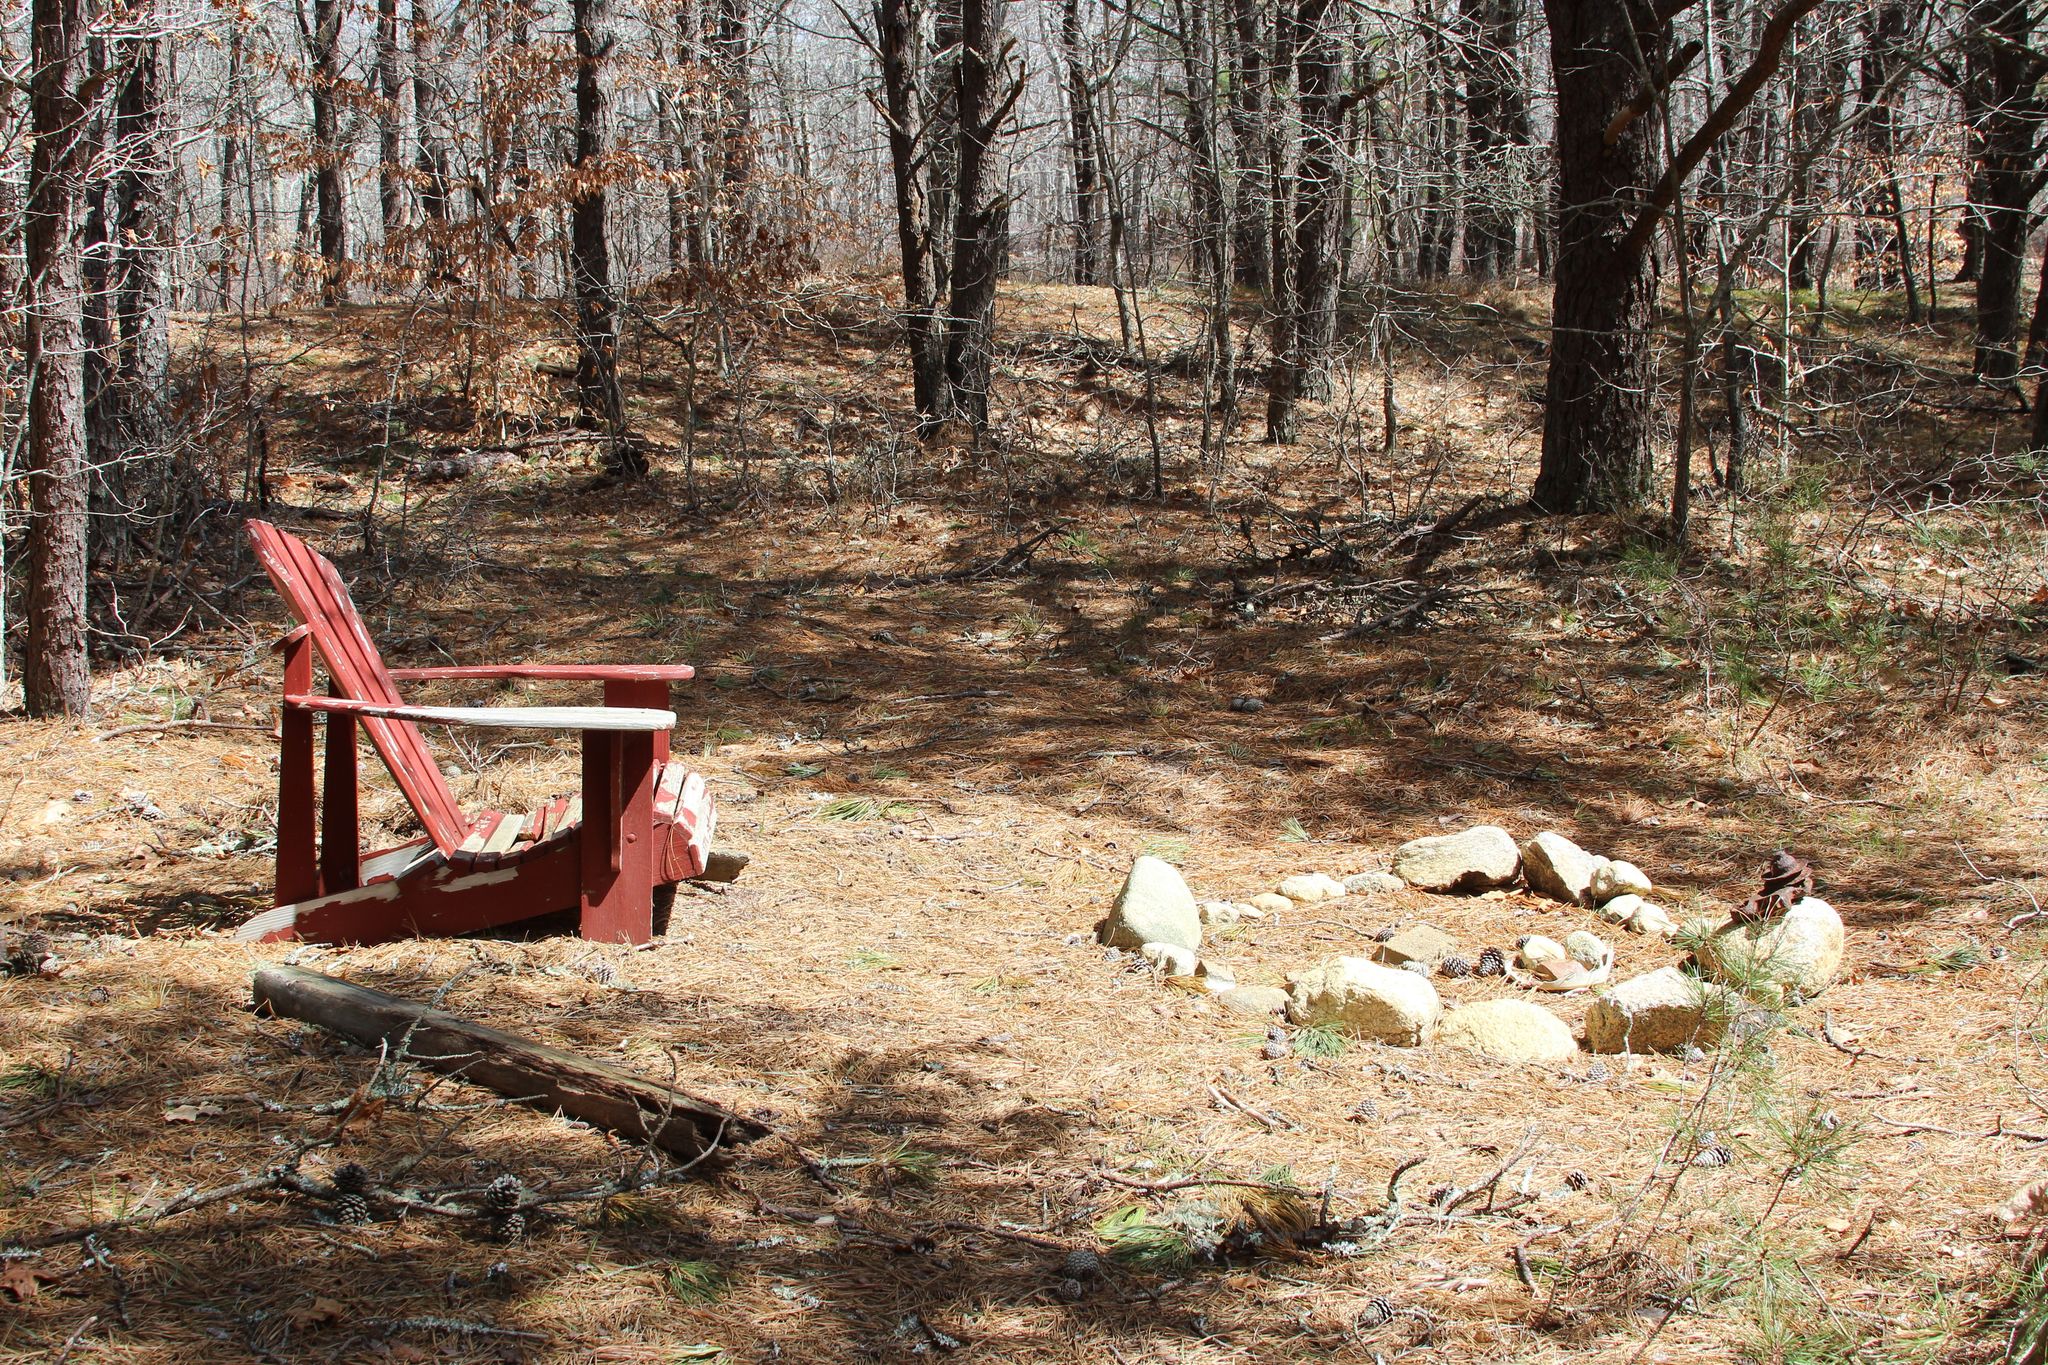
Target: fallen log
{"x": 534, "y": 1074}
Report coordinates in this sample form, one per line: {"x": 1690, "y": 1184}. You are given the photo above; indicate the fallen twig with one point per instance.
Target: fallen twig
{"x": 156, "y": 727}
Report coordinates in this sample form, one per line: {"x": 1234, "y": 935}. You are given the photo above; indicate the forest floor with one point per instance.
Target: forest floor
{"x": 947, "y": 694}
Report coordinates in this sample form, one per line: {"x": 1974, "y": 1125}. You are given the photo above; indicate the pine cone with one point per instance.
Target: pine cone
{"x": 1384, "y": 934}
{"x": 1365, "y": 1111}
{"x": 1081, "y": 1264}
{"x": 351, "y": 1179}
{"x": 351, "y": 1210}
{"x": 1492, "y": 962}
{"x": 1379, "y": 1311}
{"x": 512, "y": 1227}
{"x": 1713, "y": 1154}
{"x": 1576, "y": 1180}
{"x": 1455, "y": 967}
{"x": 504, "y": 1192}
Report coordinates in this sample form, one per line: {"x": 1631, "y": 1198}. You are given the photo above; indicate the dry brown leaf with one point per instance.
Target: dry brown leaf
{"x": 22, "y": 1282}
{"x": 316, "y": 1313}
{"x": 191, "y": 1111}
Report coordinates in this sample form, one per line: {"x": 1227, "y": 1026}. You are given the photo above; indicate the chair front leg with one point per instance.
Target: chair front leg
{"x": 298, "y": 871}
{"x": 617, "y": 838}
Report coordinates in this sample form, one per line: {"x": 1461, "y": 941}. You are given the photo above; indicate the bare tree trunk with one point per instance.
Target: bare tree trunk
{"x": 1249, "y": 92}
{"x": 2012, "y": 138}
{"x": 55, "y": 680}
{"x": 600, "y": 403}
{"x": 732, "y": 46}
{"x": 896, "y": 46}
{"x": 431, "y": 158}
{"x": 1496, "y": 124}
{"x": 1319, "y": 192}
{"x": 1600, "y": 387}
{"x": 981, "y": 214}
{"x": 1283, "y": 387}
{"x": 1085, "y": 146}
{"x": 323, "y": 46}
{"x": 390, "y": 113}
{"x": 142, "y": 255}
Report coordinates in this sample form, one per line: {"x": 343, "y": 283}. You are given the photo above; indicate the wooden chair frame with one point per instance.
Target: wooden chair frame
{"x": 644, "y": 820}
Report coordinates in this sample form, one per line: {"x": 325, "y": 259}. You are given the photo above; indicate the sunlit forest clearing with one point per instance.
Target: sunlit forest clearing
{"x": 1368, "y": 682}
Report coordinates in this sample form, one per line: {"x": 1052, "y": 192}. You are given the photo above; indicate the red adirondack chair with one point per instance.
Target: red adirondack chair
{"x": 641, "y": 819}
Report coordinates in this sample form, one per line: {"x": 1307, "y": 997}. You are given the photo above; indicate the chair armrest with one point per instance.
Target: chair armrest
{"x": 630, "y": 718}
{"x": 552, "y": 672}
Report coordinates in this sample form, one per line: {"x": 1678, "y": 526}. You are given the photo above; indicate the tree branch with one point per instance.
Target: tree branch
{"x": 1770, "y": 49}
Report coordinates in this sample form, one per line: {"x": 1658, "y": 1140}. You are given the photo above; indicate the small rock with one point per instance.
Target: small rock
{"x": 1588, "y": 950}
{"x": 1218, "y": 914}
{"x": 1800, "y": 949}
{"x": 1536, "y": 948}
{"x": 1651, "y": 918}
{"x": 1245, "y": 911}
{"x": 1558, "y": 868}
{"x": 1660, "y": 1011}
{"x": 1418, "y": 943}
{"x": 1254, "y": 1001}
{"x": 1470, "y": 860}
{"x": 1618, "y": 910}
{"x": 1366, "y": 999}
{"x": 1169, "y": 959}
{"x": 1247, "y": 704}
{"x": 1373, "y": 884}
{"x": 1216, "y": 977}
{"x": 1154, "y": 906}
{"x": 1508, "y": 1031}
{"x": 1618, "y": 879}
{"x": 1311, "y": 888}
{"x": 1270, "y": 903}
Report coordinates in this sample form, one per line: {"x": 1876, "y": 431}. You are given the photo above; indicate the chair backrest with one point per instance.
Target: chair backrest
{"x": 316, "y": 595}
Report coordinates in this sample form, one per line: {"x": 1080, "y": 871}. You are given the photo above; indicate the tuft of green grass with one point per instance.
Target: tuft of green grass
{"x": 1653, "y": 568}
{"x": 882, "y": 772}
{"x": 1134, "y": 1240}
{"x": 802, "y": 769}
{"x": 1960, "y": 958}
{"x": 1293, "y": 832}
{"x": 852, "y": 808}
{"x": 870, "y": 960}
{"x": 27, "y": 1076}
{"x": 1166, "y": 848}
{"x": 695, "y": 1281}
{"x": 1320, "y": 1040}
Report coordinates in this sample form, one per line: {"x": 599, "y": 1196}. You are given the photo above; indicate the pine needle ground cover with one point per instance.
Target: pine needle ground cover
{"x": 994, "y": 1140}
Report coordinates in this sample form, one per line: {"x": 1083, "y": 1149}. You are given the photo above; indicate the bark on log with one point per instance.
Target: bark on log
{"x": 536, "y": 1075}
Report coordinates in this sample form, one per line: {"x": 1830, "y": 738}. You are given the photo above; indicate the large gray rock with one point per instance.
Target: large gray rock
{"x": 1421, "y": 943}
{"x": 1660, "y": 1011}
{"x": 1508, "y": 1031}
{"x": 1558, "y": 868}
{"x": 1366, "y": 999}
{"x": 1470, "y": 860}
{"x": 1154, "y": 906}
{"x": 1799, "y": 950}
